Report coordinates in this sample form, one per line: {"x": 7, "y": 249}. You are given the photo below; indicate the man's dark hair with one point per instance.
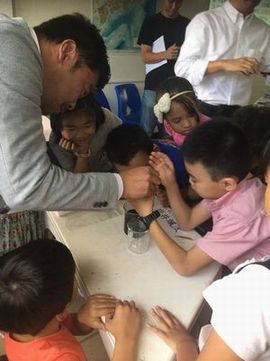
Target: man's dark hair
{"x": 125, "y": 141}
{"x": 91, "y": 46}
{"x": 36, "y": 284}
{"x": 220, "y": 147}
{"x": 254, "y": 121}
{"x": 88, "y": 104}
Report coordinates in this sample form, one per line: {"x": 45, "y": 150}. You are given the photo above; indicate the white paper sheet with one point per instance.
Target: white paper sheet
{"x": 158, "y": 46}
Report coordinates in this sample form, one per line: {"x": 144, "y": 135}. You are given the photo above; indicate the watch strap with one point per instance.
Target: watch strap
{"x": 147, "y": 220}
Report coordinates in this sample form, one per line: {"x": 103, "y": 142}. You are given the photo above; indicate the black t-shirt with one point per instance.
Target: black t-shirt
{"x": 173, "y": 31}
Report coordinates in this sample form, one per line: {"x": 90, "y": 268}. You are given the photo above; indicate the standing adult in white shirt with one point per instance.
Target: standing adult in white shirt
{"x": 223, "y": 49}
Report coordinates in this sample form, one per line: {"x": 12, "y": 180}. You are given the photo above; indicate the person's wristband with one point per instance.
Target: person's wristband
{"x": 82, "y": 155}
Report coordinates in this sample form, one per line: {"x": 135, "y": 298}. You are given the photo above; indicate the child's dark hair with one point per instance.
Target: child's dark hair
{"x": 174, "y": 85}
{"x": 90, "y": 44}
{"x": 36, "y": 284}
{"x": 220, "y": 147}
{"x": 125, "y": 141}
{"x": 88, "y": 104}
{"x": 266, "y": 158}
{"x": 255, "y": 123}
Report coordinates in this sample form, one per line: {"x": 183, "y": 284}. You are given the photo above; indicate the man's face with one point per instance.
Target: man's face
{"x": 69, "y": 86}
{"x": 170, "y": 8}
{"x": 63, "y": 82}
{"x": 245, "y": 6}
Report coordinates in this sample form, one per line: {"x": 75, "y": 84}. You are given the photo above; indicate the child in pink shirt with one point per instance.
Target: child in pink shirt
{"x": 177, "y": 108}
{"x": 36, "y": 285}
{"x": 218, "y": 160}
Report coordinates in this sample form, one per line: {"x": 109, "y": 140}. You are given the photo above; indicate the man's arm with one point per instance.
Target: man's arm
{"x": 193, "y": 62}
{"x": 245, "y": 65}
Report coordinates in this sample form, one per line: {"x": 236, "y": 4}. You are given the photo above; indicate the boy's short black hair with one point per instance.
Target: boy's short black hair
{"x": 88, "y": 104}
{"x": 254, "y": 121}
{"x": 90, "y": 44}
{"x": 266, "y": 158}
{"x": 220, "y": 147}
{"x": 125, "y": 141}
{"x": 255, "y": 124}
{"x": 36, "y": 284}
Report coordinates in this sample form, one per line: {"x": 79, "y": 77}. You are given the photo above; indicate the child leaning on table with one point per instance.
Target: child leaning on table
{"x": 78, "y": 137}
{"x": 240, "y": 321}
{"x": 218, "y": 160}
{"x": 36, "y": 286}
{"x": 129, "y": 146}
{"x": 177, "y": 108}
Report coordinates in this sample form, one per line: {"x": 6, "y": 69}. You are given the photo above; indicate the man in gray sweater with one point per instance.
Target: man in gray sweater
{"x": 46, "y": 70}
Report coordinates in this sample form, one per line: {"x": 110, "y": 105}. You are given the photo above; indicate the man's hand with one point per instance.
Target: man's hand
{"x": 139, "y": 182}
{"x": 245, "y": 65}
{"x": 172, "y": 52}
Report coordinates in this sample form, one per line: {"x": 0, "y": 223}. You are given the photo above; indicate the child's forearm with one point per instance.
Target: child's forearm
{"x": 76, "y": 327}
{"x": 175, "y": 254}
{"x": 125, "y": 350}
{"x": 82, "y": 164}
{"x": 179, "y": 207}
{"x": 187, "y": 350}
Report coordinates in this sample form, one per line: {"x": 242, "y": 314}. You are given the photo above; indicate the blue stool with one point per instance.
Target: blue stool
{"x": 101, "y": 98}
{"x": 129, "y": 103}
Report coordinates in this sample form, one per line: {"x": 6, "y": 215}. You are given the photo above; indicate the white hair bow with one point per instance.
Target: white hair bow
{"x": 163, "y": 106}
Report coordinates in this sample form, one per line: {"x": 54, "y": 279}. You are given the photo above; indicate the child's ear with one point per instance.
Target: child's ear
{"x": 61, "y": 317}
{"x": 229, "y": 183}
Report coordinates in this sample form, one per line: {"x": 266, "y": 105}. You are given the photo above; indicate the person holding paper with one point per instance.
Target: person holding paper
{"x": 224, "y": 47}
{"x": 160, "y": 39}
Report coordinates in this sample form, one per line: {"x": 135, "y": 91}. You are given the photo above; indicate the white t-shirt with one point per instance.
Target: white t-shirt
{"x": 241, "y": 312}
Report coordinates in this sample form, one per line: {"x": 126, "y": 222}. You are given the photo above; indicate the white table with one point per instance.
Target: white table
{"x": 99, "y": 246}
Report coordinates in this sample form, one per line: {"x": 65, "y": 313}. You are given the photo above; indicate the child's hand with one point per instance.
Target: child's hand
{"x": 143, "y": 206}
{"x": 83, "y": 148}
{"x": 125, "y": 324}
{"x": 164, "y": 166}
{"x": 66, "y": 144}
{"x": 95, "y": 307}
{"x": 169, "y": 329}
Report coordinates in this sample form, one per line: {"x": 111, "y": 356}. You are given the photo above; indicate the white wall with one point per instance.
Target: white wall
{"x": 6, "y": 7}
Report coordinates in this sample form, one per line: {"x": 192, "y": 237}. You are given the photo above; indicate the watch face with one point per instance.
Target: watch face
{"x": 137, "y": 224}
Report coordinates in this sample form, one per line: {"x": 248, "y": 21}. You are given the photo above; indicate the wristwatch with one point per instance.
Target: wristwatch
{"x": 147, "y": 220}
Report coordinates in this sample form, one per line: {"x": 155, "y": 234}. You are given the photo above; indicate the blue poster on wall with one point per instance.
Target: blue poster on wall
{"x": 262, "y": 10}
{"x": 120, "y": 21}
